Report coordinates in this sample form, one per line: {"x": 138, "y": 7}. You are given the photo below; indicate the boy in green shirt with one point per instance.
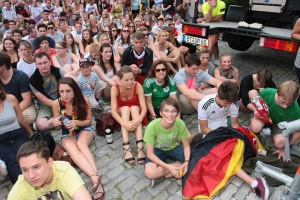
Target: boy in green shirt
{"x": 161, "y": 137}
{"x": 282, "y": 107}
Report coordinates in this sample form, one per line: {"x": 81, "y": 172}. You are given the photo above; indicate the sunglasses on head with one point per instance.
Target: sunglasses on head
{"x": 163, "y": 70}
{"x": 125, "y": 31}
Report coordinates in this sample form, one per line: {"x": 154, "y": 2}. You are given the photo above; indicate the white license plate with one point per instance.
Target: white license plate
{"x": 195, "y": 40}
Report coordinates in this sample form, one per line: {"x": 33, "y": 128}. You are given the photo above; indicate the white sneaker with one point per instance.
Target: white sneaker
{"x": 217, "y": 62}
{"x": 266, "y": 131}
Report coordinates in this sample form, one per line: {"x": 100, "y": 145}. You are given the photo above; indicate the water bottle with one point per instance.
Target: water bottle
{"x": 108, "y": 135}
{"x": 65, "y": 120}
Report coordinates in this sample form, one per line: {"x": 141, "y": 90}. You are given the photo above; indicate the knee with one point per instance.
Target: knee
{"x": 80, "y": 145}
{"x": 256, "y": 125}
{"x": 40, "y": 124}
{"x": 150, "y": 173}
{"x": 279, "y": 141}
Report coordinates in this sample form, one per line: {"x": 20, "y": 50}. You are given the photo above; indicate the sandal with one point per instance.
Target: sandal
{"x": 95, "y": 189}
{"x": 128, "y": 150}
{"x": 140, "y": 161}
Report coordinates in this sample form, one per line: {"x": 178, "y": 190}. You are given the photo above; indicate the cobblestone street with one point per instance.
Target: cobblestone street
{"x": 123, "y": 181}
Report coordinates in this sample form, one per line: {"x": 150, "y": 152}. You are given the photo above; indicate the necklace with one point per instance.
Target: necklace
{"x": 74, "y": 116}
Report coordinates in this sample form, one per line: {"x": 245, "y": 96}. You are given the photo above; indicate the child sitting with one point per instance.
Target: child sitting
{"x": 161, "y": 137}
{"x": 90, "y": 84}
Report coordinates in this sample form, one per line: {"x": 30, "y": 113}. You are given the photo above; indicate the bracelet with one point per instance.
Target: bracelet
{"x": 186, "y": 161}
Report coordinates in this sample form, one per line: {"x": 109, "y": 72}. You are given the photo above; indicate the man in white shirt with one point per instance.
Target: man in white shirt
{"x": 78, "y": 31}
{"x": 8, "y": 12}
{"x": 36, "y": 9}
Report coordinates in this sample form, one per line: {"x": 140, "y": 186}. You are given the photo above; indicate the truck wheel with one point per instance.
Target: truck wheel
{"x": 244, "y": 45}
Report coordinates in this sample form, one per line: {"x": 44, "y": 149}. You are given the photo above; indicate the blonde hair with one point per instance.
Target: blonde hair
{"x": 63, "y": 44}
{"x": 94, "y": 48}
{"x": 159, "y": 34}
{"x": 288, "y": 90}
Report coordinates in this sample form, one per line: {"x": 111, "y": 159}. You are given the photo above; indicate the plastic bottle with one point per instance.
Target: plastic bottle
{"x": 108, "y": 135}
{"x": 65, "y": 120}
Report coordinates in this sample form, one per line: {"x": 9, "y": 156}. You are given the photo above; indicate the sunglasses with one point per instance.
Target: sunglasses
{"x": 163, "y": 70}
{"x": 131, "y": 26}
{"x": 50, "y": 27}
{"x": 125, "y": 31}
{"x": 114, "y": 30}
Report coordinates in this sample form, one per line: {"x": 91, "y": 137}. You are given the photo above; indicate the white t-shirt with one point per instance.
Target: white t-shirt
{"x": 9, "y": 14}
{"x": 36, "y": 11}
{"x": 91, "y": 8}
{"x": 78, "y": 35}
{"x": 27, "y": 68}
{"x": 178, "y": 27}
{"x": 216, "y": 116}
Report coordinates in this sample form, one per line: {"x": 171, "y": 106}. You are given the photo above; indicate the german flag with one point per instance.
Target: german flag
{"x": 215, "y": 159}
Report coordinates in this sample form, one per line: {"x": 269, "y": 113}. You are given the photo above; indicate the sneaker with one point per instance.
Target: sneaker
{"x": 266, "y": 131}
{"x": 262, "y": 189}
{"x": 154, "y": 182}
{"x": 217, "y": 62}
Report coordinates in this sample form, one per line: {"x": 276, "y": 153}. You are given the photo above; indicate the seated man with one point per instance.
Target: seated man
{"x": 44, "y": 85}
{"x": 16, "y": 82}
{"x": 44, "y": 178}
{"x": 282, "y": 107}
{"x": 189, "y": 80}
{"x": 42, "y": 29}
{"x": 161, "y": 137}
{"x": 138, "y": 57}
{"x": 212, "y": 113}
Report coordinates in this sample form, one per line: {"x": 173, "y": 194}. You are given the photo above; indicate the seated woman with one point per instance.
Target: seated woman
{"x": 131, "y": 26}
{"x": 72, "y": 47}
{"x": 113, "y": 33}
{"x": 206, "y": 66}
{"x": 123, "y": 41}
{"x": 13, "y": 127}
{"x": 87, "y": 39}
{"x": 117, "y": 8}
{"x": 164, "y": 87}
{"x": 184, "y": 51}
{"x": 72, "y": 114}
{"x": 167, "y": 51}
{"x": 226, "y": 71}
{"x": 161, "y": 137}
{"x": 10, "y": 47}
{"x": 94, "y": 27}
{"x": 105, "y": 39}
{"x": 44, "y": 47}
{"x": 149, "y": 42}
{"x": 251, "y": 85}
{"x": 63, "y": 59}
{"x": 107, "y": 63}
{"x": 27, "y": 64}
{"x": 128, "y": 108}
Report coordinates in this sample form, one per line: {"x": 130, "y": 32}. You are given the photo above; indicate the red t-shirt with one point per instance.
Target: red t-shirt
{"x": 52, "y": 52}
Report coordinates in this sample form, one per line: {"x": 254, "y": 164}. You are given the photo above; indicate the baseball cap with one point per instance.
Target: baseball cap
{"x": 160, "y": 17}
{"x": 84, "y": 62}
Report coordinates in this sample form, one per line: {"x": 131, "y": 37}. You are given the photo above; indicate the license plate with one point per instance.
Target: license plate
{"x": 195, "y": 40}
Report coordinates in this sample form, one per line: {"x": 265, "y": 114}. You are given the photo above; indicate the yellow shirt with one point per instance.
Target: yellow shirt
{"x": 66, "y": 181}
{"x": 218, "y": 10}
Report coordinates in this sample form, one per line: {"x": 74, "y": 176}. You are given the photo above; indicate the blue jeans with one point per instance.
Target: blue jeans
{"x": 175, "y": 154}
{"x": 10, "y": 143}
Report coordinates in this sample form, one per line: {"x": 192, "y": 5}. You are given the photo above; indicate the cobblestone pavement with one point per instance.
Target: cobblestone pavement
{"x": 123, "y": 181}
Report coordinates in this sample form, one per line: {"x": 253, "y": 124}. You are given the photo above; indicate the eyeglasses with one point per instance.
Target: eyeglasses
{"x": 50, "y": 27}
{"x": 283, "y": 103}
{"x": 59, "y": 48}
{"x": 125, "y": 31}
{"x": 173, "y": 112}
{"x": 158, "y": 70}
{"x": 114, "y": 30}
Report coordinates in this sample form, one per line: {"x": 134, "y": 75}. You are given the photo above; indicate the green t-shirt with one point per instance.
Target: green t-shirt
{"x": 157, "y": 92}
{"x": 218, "y": 10}
{"x": 276, "y": 112}
{"x": 163, "y": 139}
{"x": 66, "y": 181}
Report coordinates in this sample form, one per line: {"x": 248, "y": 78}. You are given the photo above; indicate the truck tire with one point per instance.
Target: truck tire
{"x": 244, "y": 45}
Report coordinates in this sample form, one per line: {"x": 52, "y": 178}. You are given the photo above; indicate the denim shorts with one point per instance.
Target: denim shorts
{"x": 88, "y": 128}
{"x": 175, "y": 154}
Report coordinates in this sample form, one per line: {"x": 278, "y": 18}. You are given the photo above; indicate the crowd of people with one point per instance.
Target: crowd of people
{"x": 59, "y": 58}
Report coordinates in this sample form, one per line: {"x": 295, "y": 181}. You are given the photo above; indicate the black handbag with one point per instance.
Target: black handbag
{"x": 44, "y": 136}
